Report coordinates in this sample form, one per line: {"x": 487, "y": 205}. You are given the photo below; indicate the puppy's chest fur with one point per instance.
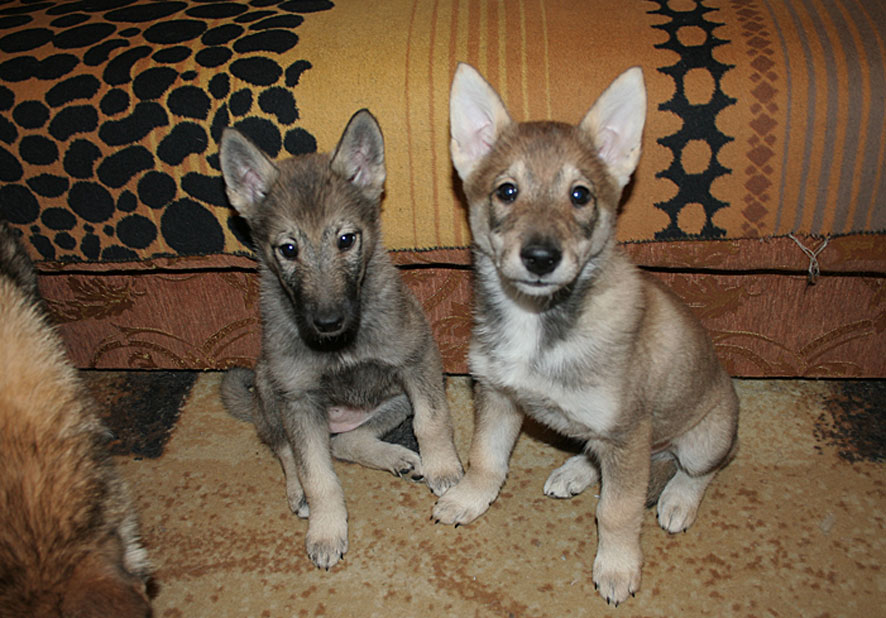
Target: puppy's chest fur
{"x": 561, "y": 381}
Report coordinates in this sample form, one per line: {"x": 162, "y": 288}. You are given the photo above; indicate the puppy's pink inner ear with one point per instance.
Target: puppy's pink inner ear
{"x": 609, "y": 145}
{"x": 253, "y": 183}
{"x": 483, "y": 137}
{"x": 359, "y": 161}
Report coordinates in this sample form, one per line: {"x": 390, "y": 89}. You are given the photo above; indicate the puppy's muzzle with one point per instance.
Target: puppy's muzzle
{"x": 540, "y": 258}
{"x": 328, "y": 323}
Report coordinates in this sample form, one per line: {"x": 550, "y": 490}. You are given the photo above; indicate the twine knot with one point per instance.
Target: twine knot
{"x": 814, "y": 268}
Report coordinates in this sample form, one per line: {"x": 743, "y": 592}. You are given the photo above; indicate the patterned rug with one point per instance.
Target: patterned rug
{"x": 792, "y": 527}
{"x": 855, "y": 420}
{"x": 141, "y": 409}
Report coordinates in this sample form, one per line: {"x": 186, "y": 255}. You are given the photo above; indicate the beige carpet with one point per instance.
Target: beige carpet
{"x": 791, "y": 528}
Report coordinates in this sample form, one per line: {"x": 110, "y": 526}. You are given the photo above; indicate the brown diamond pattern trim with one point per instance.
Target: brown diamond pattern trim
{"x": 759, "y": 43}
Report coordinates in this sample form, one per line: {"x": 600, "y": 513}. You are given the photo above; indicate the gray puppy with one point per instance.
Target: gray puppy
{"x": 347, "y": 353}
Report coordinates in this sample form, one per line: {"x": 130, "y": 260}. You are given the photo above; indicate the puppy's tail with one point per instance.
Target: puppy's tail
{"x": 662, "y": 470}
{"x": 238, "y": 393}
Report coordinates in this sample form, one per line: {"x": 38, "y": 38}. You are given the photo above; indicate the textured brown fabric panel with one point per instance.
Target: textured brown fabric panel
{"x": 204, "y": 320}
{"x": 762, "y": 324}
{"x": 861, "y": 253}
{"x": 779, "y": 325}
{"x": 207, "y": 319}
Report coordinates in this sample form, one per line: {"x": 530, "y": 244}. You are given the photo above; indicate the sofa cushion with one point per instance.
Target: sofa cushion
{"x": 762, "y": 121}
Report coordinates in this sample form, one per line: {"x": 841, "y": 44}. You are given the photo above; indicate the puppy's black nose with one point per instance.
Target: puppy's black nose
{"x": 328, "y": 323}
{"x": 540, "y": 258}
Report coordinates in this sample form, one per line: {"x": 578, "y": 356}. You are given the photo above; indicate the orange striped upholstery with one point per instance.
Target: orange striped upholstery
{"x": 764, "y": 117}
{"x": 805, "y": 123}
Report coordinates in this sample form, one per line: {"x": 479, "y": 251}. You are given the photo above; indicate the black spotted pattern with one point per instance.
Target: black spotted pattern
{"x": 107, "y": 107}
{"x": 698, "y": 120}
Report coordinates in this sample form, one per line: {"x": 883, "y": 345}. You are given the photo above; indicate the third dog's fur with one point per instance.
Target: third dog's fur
{"x": 69, "y": 542}
{"x": 346, "y": 351}
{"x": 570, "y": 332}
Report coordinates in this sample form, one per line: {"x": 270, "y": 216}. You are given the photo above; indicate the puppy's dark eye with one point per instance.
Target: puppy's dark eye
{"x": 507, "y": 192}
{"x": 580, "y": 195}
{"x": 346, "y": 241}
{"x": 288, "y": 251}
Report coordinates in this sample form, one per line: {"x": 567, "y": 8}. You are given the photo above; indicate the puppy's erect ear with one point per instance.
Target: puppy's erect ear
{"x": 615, "y": 124}
{"x": 477, "y": 117}
{"x": 360, "y": 154}
{"x": 248, "y": 172}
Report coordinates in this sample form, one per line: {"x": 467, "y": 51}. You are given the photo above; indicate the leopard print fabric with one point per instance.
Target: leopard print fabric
{"x": 111, "y": 112}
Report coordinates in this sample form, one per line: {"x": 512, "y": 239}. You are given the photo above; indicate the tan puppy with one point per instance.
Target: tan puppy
{"x": 68, "y": 532}
{"x": 570, "y": 332}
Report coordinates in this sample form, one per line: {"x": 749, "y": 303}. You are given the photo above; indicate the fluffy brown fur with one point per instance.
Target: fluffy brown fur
{"x": 68, "y": 533}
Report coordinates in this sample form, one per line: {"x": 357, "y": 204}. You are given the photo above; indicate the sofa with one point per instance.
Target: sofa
{"x": 760, "y": 197}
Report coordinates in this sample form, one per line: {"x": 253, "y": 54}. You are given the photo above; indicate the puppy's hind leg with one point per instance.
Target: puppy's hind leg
{"x": 700, "y": 452}
{"x": 298, "y": 504}
{"x": 432, "y": 423}
{"x": 572, "y": 478}
{"x": 364, "y": 446}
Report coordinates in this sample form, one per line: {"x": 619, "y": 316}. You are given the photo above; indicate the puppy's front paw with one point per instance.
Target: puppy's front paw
{"x": 464, "y": 503}
{"x": 617, "y": 575}
{"x": 572, "y": 478}
{"x": 326, "y": 543}
{"x": 442, "y": 473}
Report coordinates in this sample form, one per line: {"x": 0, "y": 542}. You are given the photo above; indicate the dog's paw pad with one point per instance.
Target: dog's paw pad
{"x": 561, "y": 486}
{"x": 615, "y": 583}
{"x": 303, "y": 511}
{"x": 677, "y": 507}
{"x": 675, "y": 517}
{"x": 411, "y": 474}
{"x": 461, "y": 505}
{"x": 441, "y": 478}
{"x": 326, "y": 552}
{"x": 570, "y": 479}
{"x": 440, "y": 485}
{"x": 299, "y": 505}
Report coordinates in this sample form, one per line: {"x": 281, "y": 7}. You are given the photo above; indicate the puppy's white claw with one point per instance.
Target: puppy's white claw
{"x": 407, "y": 464}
